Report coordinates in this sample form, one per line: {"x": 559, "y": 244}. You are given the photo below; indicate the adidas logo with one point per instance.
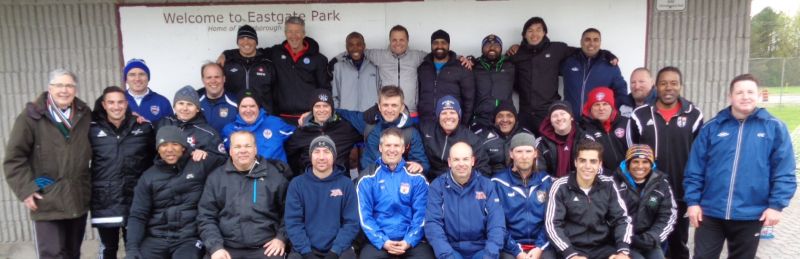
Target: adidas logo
{"x": 101, "y": 134}
{"x": 650, "y": 122}
{"x": 189, "y": 176}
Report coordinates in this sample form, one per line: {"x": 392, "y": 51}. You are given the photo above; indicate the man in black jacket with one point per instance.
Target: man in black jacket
{"x": 248, "y": 68}
{"x": 203, "y": 140}
{"x": 495, "y": 139}
{"x": 649, "y": 200}
{"x": 245, "y": 221}
{"x": 121, "y": 150}
{"x": 494, "y": 81}
{"x": 300, "y": 68}
{"x": 163, "y": 216}
{"x": 586, "y": 217}
{"x": 602, "y": 122}
{"x": 440, "y": 74}
{"x": 669, "y": 126}
{"x": 439, "y": 137}
{"x": 321, "y": 121}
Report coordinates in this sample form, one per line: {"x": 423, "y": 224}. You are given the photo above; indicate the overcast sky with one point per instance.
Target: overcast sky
{"x": 789, "y": 7}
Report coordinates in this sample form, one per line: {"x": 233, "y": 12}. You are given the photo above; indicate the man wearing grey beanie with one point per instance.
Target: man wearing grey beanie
{"x": 524, "y": 210}
{"x": 201, "y": 138}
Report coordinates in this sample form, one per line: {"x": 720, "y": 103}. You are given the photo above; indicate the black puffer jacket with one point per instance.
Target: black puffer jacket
{"x": 119, "y": 156}
{"x": 340, "y": 131}
{"x": 165, "y": 201}
{"x": 537, "y": 68}
{"x": 615, "y": 142}
{"x": 198, "y": 133}
{"x": 254, "y": 73}
{"x": 493, "y": 81}
{"x": 297, "y": 80}
{"x": 652, "y": 208}
{"x": 437, "y": 148}
{"x": 243, "y": 210}
{"x": 453, "y": 80}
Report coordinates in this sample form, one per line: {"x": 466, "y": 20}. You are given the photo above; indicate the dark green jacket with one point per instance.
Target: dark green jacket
{"x": 37, "y": 148}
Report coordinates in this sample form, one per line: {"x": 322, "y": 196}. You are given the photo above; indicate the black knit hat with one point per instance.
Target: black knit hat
{"x": 172, "y": 134}
{"x": 248, "y": 94}
{"x": 440, "y": 34}
{"x": 560, "y": 105}
{"x": 503, "y": 105}
{"x": 321, "y": 95}
{"x": 247, "y": 31}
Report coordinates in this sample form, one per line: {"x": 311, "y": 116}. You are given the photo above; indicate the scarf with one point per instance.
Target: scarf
{"x": 62, "y": 120}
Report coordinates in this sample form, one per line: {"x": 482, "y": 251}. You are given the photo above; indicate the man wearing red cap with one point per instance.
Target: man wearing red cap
{"x": 602, "y": 122}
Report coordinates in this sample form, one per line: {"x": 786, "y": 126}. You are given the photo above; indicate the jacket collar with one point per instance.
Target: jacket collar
{"x": 337, "y": 171}
{"x": 260, "y": 168}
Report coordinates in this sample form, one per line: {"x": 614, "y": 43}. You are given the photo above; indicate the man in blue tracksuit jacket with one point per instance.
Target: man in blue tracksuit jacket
{"x": 321, "y": 207}
{"x": 585, "y": 70}
{"x": 392, "y": 115}
{"x": 218, "y": 105}
{"x": 391, "y": 204}
{"x": 141, "y": 100}
{"x": 270, "y": 131}
{"x": 740, "y": 175}
{"x": 464, "y": 218}
{"x": 523, "y": 194}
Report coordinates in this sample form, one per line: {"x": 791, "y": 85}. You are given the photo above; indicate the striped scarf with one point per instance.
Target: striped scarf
{"x": 59, "y": 116}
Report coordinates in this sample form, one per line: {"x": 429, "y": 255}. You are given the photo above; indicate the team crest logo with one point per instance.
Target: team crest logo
{"x": 191, "y": 140}
{"x": 600, "y": 96}
{"x": 223, "y": 112}
{"x": 541, "y": 196}
{"x": 480, "y": 195}
{"x": 682, "y": 121}
{"x": 323, "y": 97}
{"x": 652, "y": 201}
{"x": 260, "y": 72}
{"x": 650, "y": 122}
{"x": 405, "y": 188}
{"x": 336, "y": 192}
{"x": 448, "y": 103}
{"x": 221, "y": 148}
{"x": 155, "y": 109}
{"x": 306, "y": 60}
{"x": 267, "y": 133}
{"x": 619, "y": 132}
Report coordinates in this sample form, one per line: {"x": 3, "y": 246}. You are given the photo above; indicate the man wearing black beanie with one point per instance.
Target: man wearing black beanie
{"x": 441, "y": 74}
{"x": 247, "y": 68}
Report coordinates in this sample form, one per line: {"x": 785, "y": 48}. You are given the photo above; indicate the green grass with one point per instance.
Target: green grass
{"x": 775, "y": 90}
{"x": 788, "y": 113}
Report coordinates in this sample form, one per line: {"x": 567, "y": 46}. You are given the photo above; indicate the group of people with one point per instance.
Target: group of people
{"x": 257, "y": 163}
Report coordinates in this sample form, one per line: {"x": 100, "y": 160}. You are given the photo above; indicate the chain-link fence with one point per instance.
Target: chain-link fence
{"x": 776, "y": 71}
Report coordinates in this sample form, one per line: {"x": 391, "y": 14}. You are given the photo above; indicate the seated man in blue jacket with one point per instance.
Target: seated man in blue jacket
{"x": 464, "y": 218}
{"x": 740, "y": 175}
{"x": 392, "y": 115}
{"x": 391, "y": 204}
{"x": 321, "y": 207}
{"x": 522, "y": 190}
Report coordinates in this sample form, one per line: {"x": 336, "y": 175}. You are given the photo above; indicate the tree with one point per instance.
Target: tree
{"x": 764, "y": 28}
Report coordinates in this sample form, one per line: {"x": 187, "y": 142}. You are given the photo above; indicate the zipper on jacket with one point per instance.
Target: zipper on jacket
{"x": 444, "y": 148}
{"x": 735, "y": 167}
{"x": 255, "y": 191}
{"x": 398, "y": 71}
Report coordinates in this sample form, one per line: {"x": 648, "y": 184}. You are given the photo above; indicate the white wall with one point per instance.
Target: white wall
{"x": 174, "y": 51}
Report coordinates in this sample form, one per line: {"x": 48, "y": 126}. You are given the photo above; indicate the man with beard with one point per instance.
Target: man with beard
{"x": 447, "y": 131}
{"x": 601, "y": 121}
{"x": 494, "y": 81}
{"x": 355, "y": 78}
{"x": 670, "y": 126}
{"x": 217, "y": 104}
{"x": 522, "y": 190}
{"x": 202, "y": 139}
{"x": 141, "y": 100}
{"x": 642, "y": 92}
{"x": 163, "y": 217}
{"x": 441, "y": 74}
{"x": 586, "y": 70}
{"x": 537, "y": 61}
{"x": 248, "y": 68}
{"x": 495, "y": 138}
{"x": 121, "y": 150}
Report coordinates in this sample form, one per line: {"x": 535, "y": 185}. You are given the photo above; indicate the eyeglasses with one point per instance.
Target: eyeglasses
{"x": 63, "y": 85}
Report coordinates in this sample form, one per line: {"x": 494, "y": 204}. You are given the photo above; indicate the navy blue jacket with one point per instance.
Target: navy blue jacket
{"x": 736, "y": 170}
{"x": 391, "y": 205}
{"x": 153, "y": 106}
{"x": 321, "y": 214}
{"x": 218, "y": 112}
{"x": 464, "y": 219}
{"x": 524, "y": 207}
{"x": 581, "y": 74}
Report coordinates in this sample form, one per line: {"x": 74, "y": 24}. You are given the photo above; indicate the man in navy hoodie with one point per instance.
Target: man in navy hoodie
{"x": 464, "y": 218}
{"x": 321, "y": 207}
